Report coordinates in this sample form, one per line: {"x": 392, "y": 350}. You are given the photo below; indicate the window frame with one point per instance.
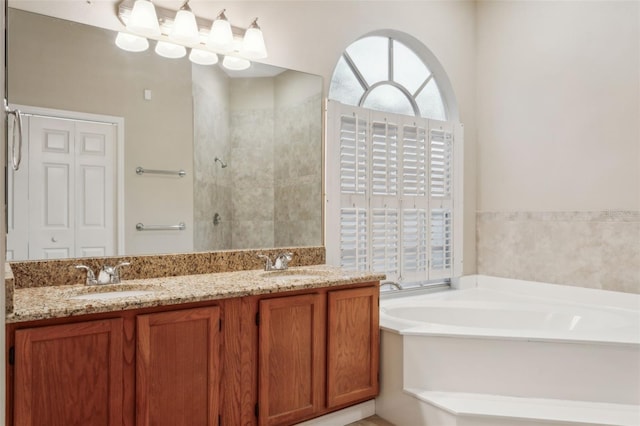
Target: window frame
{"x": 436, "y": 74}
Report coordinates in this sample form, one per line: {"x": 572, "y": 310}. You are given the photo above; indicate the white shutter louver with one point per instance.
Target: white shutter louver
{"x": 385, "y": 229}
{"x": 353, "y": 154}
{"x": 441, "y": 238}
{"x": 384, "y": 158}
{"x": 440, "y": 163}
{"x": 414, "y": 244}
{"x": 353, "y": 238}
{"x": 414, "y": 162}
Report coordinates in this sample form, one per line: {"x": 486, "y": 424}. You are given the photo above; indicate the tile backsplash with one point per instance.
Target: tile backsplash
{"x": 597, "y": 249}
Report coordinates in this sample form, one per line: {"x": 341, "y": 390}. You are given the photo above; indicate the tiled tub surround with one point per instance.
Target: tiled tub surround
{"x": 49, "y": 273}
{"x": 589, "y": 249}
{"x": 37, "y": 303}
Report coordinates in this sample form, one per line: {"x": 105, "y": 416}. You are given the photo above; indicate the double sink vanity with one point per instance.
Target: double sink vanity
{"x": 230, "y": 344}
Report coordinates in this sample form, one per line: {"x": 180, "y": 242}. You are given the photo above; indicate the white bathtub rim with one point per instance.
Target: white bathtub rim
{"x": 568, "y": 293}
{"x": 531, "y": 294}
{"x": 497, "y": 334}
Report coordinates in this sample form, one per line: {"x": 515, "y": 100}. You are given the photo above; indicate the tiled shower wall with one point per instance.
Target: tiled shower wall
{"x": 588, "y": 249}
{"x": 297, "y": 160}
{"x": 212, "y": 183}
{"x": 268, "y": 130}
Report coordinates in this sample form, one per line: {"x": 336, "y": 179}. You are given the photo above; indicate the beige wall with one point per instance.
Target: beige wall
{"x": 558, "y": 113}
{"x": 558, "y": 106}
{"x": 64, "y": 65}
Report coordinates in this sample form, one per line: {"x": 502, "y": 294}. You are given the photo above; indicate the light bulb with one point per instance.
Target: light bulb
{"x": 143, "y": 19}
{"x": 170, "y": 50}
{"x": 220, "y": 36}
{"x": 253, "y": 42}
{"x": 235, "y": 64}
{"x": 185, "y": 28}
{"x": 131, "y": 43}
{"x": 203, "y": 57}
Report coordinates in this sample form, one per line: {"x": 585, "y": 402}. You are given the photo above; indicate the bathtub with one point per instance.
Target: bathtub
{"x": 499, "y": 338}
{"x": 497, "y": 307}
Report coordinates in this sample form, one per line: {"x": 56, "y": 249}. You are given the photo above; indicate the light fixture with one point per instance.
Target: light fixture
{"x": 170, "y": 50}
{"x": 220, "y": 35}
{"x": 175, "y": 31}
{"x": 203, "y": 57}
{"x": 185, "y": 28}
{"x": 131, "y": 42}
{"x": 235, "y": 63}
{"x": 143, "y": 19}
{"x": 253, "y": 42}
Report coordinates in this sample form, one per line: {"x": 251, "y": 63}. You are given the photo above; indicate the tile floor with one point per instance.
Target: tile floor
{"x": 371, "y": 421}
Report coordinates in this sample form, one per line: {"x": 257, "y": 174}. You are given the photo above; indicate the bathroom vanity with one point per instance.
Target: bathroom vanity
{"x": 244, "y": 347}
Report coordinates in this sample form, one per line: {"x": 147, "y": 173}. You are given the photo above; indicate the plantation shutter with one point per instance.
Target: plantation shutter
{"x": 384, "y": 201}
{"x": 414, "y": 201}
{"x": 440, "y": 201}
{"x": 390, "y": 204}
{"x": 354, "y": 188}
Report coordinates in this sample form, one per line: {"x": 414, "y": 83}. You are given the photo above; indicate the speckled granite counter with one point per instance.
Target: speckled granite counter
{"x": 53, "y": 302}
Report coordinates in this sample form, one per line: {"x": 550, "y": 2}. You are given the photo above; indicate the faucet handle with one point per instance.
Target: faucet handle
{"x": 116, "y": 272}
{"x": 111, "y": 274}
{"x": 267, "y": 264}
{"x": 282, "y": 260}
{"x": 91, "y": 277}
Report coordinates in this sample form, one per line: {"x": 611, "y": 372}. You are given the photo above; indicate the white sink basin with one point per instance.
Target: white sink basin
{"x": 112, "y": 295}
{"x": 294, "y": 274}
{"x": 112, "y": 291}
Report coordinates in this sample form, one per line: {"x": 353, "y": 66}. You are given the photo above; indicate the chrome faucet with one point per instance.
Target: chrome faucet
{"x": 111, "y": 274}
{"x": 91, "y": 277}
{"x": 107, "y": 275}
{"x": 392, "y": 284}
{"x": 281, "y": 263}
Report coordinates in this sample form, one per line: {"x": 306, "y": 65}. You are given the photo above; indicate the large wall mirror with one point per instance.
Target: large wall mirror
{"x": 264, "y": 125}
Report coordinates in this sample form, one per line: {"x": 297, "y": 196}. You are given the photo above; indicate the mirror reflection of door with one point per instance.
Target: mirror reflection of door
{"x": 64, "y": 195}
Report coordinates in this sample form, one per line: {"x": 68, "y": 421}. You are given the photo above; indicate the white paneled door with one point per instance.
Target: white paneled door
{"x": 69, "y": 206}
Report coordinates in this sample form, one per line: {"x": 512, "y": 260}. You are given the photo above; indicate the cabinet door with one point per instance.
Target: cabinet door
{"x": 291, "y": 358}
{"x": 178, "y": 367}
{"x": 69, "y": 374}
{"x": 353, "y": 345}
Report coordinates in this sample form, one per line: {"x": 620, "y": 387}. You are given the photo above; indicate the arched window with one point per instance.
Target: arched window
{"x": 394, "y": 163}
{"x": 380, "y": 72}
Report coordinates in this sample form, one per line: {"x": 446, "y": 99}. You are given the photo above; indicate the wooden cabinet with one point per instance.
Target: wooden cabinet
{"x": 291, "y": 361}
{"x": 317, "y": 353}
{"x": 69, "y": 374}
{"x": 178, "y": 367}
{"x": 312, "y": 351}
{"x": 352, "y": 345}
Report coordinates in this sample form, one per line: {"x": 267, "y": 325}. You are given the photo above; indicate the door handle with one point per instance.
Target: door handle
{"x": 16, "y": 159}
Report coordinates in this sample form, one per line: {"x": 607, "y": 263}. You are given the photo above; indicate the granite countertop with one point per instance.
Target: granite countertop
{"x": 54, "y": 301}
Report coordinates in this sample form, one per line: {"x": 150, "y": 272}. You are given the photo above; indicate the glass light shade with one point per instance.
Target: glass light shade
{"x": 185, "y": 28}
{"x": 170, "y": 50}
{"x": 253, "y": 44}
{"x": 235, "y": 64}
{"x": 203, "y": 57}
{"x": 131, "y": 43}
{"x": 220, "y": 36}
{"x": 143, "y": 19}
